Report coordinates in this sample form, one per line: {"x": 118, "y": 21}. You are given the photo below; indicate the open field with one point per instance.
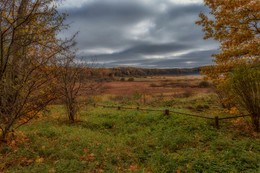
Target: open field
{"x": 111, "y": 140}
{"x": 155, "y": 85}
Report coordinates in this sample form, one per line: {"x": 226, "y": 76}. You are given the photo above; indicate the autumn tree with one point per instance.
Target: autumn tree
{"x": 29, "y": 49}
{"x": 235, "y": 24}
{"x": 75, "y": 80}
{"x": 70, "y": 85}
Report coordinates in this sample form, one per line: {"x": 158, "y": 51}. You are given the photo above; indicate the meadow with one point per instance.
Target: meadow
{"x": 111, "y": 140}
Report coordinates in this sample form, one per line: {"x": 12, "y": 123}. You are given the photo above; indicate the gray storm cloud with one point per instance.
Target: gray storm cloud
{"x": 136, "y": 33}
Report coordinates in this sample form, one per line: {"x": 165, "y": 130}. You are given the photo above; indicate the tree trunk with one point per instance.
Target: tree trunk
{"x": 4, "y": 135}
{"x": 71, "y": 117}
{"x": 255, "y": 122}
{"x": 71, "y": 113}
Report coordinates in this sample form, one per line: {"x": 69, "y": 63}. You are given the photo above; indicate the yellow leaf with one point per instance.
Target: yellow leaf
{"x": 39, "y": 160}
{"x": 52, "y": 170}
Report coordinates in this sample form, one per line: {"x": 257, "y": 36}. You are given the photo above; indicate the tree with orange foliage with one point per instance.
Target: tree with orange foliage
{"x": 29, "y": 49}
{"x": 235, "y": 24}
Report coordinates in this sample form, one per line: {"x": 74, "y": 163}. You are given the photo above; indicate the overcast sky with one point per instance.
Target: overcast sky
{"x": 140, "y": 33}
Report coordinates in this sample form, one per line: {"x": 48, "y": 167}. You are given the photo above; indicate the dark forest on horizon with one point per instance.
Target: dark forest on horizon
{"x": 136, "y": 72}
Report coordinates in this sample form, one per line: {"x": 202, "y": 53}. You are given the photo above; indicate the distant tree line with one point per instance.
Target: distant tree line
{"x": 136, "y": 72}
{"x": 132, "y": 71}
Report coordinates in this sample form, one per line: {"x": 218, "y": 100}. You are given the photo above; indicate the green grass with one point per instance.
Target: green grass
{"x": 206, "y": 104}
{"x": 123, "y": 141}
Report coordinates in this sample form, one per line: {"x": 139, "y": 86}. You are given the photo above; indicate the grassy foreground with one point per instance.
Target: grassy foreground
{"x": 107, "y": 140}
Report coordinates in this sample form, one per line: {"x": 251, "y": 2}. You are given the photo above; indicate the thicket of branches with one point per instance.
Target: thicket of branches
{"x": 74, "y": 81}
{"x": 244, "y": 86}
{"x": 29, "y": 50}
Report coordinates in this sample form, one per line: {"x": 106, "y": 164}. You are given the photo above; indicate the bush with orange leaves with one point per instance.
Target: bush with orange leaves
{"x": 244, "y": 87}
{"x": 235, "y": 24}
{"x": 29, "y": 49}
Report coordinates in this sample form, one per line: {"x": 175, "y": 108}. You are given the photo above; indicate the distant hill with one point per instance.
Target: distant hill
{"x": 132, "y": 71}
{"x": 109, "y": 73}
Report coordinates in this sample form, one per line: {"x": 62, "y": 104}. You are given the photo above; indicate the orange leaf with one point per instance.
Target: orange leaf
{"x": 39, "y": 160}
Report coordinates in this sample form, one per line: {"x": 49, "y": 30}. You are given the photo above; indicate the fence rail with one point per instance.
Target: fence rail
{"x": 234, "y": 117}
{"x": 167, "y": 112}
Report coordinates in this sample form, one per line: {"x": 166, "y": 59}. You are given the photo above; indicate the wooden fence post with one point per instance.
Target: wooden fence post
{"x": 216, "y": 122}
{"x": 137, "y": 108}
{"x": 166, "y": 112}
{"x": 144, "y": 99}
{"x": 94, "y": 105}
{"x": 118, "y": 108}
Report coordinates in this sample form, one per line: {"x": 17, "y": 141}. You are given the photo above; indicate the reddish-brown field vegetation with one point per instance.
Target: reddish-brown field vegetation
{"x": 168, "y": 85}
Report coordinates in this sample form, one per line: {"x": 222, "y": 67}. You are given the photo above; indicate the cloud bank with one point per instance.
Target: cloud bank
{"x": 140, "y": 33}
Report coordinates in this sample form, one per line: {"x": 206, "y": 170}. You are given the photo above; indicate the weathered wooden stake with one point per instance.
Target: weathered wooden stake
{"x": 118, "y": 108}
{"x": 137, "y": 108}
{"x": 144, "y": 99}
{"x": 166, "y": 112}
{"x": 94, "y": 105}
{"x": 216, "y": 122}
